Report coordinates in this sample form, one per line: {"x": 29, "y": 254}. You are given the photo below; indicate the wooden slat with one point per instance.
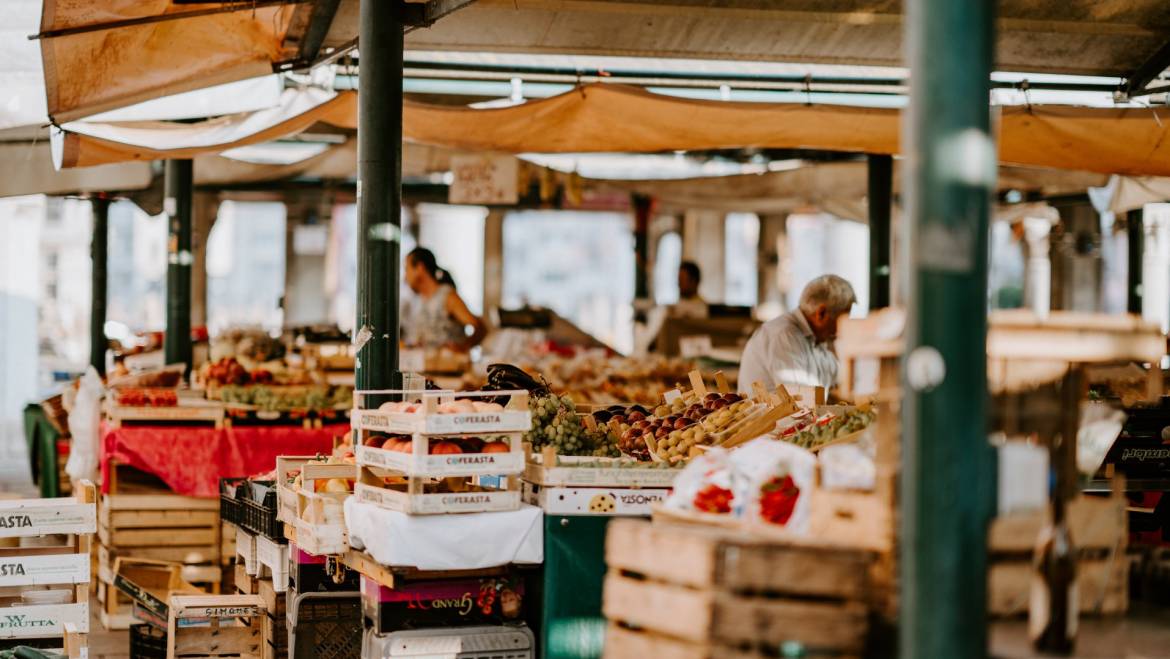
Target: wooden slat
{"x": 623, "y": 643}
{"x": 1094, "y": 523}
{"x": 207, "y": 642}
{"x": 702, "y": 557}
{"x": 160, "y": 501}
{"x": 706, "y": 616}
{"x": 1102, "y": 586}
{"x": 122, "y": 538}
{"x": 141, "y": 519}
{"x": 181, "y": 554}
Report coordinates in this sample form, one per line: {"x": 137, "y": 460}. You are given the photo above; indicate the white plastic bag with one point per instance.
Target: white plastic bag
{"x": 707, "y": 484}
{"x": 83, "y": 427}
{"x": 847, "y": 467}
{"x": 766, "y": 467}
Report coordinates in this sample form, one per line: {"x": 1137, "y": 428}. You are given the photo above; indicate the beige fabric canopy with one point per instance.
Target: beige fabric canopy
{"x": 618, "y": 118}
{"x": 87, "y": 72}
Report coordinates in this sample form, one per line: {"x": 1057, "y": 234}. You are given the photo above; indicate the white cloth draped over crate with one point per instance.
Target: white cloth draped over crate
{"x": 468, "y": 541}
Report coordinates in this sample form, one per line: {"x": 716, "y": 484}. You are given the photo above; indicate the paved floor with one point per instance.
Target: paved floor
{"x": 1144, "y": 634}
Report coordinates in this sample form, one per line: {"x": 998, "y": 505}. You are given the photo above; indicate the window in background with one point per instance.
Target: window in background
{"x": 455, "y": 235}
{"x": 579, "y": 264}
{"x": 136, "y": 274}
{"x": 667, "y": 258}
{"x": 740, "y": 243}
{"x": 245, "y": 266}
{"x": 822, "y": 244}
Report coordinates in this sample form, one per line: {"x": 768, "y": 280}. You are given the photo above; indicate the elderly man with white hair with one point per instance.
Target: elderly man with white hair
{"x": 797, "y": 348}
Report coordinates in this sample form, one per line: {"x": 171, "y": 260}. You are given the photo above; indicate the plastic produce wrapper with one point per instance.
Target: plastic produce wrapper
{"x": 706, "y": 485}
{"x": 84, "y": 420}
{"x": 1100, "y": 426}
{"x": 776, "y": 479}
{"x": 763, "y": 481}
{"x": 848, "y": 466}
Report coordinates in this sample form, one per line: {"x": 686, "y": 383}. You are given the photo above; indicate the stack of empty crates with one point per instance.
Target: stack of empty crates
{"x": 261, "y": 554}
{"x": 44, "y": 583}
{"x": 324, "y": 613}
{"x": 148, "y": 522}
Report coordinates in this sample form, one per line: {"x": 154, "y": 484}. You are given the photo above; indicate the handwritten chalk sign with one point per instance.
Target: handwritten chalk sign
{"x": 483, "y": 179}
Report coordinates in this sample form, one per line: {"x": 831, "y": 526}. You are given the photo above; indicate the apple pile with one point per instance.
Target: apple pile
{"x": 147, "y": 397}
{"x": 446, "y": 446}
{"x": 674, "y": 428}
{"x": 460, "y": 406}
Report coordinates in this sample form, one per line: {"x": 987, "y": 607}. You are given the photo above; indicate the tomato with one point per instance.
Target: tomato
{"x": 496, "y": 447}
{"x": 445, "y": 448}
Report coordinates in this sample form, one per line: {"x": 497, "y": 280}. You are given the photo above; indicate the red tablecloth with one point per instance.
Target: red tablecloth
{"x": 192, "y": 460}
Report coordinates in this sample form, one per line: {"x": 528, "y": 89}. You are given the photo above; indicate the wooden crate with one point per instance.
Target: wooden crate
{"x": 143, "y": 585}
{"x": 63, "y": 566}
{"x": 161, "y": 526}
{"x": 710, "y": 589}
{"x": 190, "y": 412}
{"x": 1098, "y": 526}
{"x": 215, "y": 626}
{"x": 416, "y": 495}
{"x": 320, "y": 517}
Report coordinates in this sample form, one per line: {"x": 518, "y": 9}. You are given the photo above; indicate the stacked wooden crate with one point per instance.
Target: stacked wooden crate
{"x": 44, "y": 582}
{"x": 1099, "y": 531}
{"x": 253, "y": 578}
{"x": 692, "y": 592}
{"x": 161, "y": 526}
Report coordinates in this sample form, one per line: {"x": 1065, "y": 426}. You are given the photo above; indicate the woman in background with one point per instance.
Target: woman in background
{"x": 438, "y": 317}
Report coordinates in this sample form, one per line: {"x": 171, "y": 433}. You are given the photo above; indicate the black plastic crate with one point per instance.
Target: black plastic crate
{"x": 312, "y": 578}
{"x": 325, "y": 626}
{"x": 259, "y": 510}
{"x": 230, "y": 508}
{"x": 146, "y": 642}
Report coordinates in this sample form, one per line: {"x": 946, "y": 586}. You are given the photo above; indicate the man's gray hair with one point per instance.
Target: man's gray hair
{"x": 830, "y": 290}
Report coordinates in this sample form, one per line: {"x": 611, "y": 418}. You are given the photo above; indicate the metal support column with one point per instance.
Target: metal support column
{"x": 380, "y": 34}
{"x": 1134, "y": 228}
{"x": 643, "y": 208}
{"x": 177, "y": 205}
{"x": 99, "y": 263}
{"x": 948, "y": 468}
{"x": 880, "y": 195}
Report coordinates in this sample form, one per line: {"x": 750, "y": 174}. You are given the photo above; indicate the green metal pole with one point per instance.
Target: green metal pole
{"x": 380, "y": 35}
{"x": 1134, "y": 228}
{"x": 880, "y": 195}
{"x": 643, "y": 207}
{"x": 99, "y": 263}
{"x": 948, "y": 467}
{"x": 177, "y": 205}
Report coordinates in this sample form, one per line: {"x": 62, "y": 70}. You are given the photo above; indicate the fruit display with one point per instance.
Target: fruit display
{"x": 283, "y": 399}
{"x": 598, "y": 380}
{"x": 812, "y": 433}
{"x": 459, "y": 406}
{"x": 146, "y": 397}
{"x": 231, "y": 371}
{"x": 556, "y": 423}
{"x": 445, "y": 446}
{"x": 675, "y": 429}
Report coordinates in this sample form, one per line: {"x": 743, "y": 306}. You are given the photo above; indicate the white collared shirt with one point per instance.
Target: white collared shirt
{"x": 784, "y": 350}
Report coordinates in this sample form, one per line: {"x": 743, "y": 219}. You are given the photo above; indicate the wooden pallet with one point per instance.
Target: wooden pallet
{"x": 63, "y": 565}
{"x": 205, "y": 413}
{"x": 216, "y": 626}
{"x": 712, "y": 589}
{"x": 1099, "y": 531}
{"x": 161, "y": 526}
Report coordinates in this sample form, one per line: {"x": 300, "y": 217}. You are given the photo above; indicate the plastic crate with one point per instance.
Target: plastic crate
{"x": 147, "y": 642}
{"x": 325, "y": 626}
{"x": 259, "y": 510}
{"x": 230, "y": 508}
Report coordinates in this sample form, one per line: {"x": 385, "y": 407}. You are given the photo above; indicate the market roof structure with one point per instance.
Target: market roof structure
{"x": 160, "y": 47}
{"x": 617, "y": 118}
